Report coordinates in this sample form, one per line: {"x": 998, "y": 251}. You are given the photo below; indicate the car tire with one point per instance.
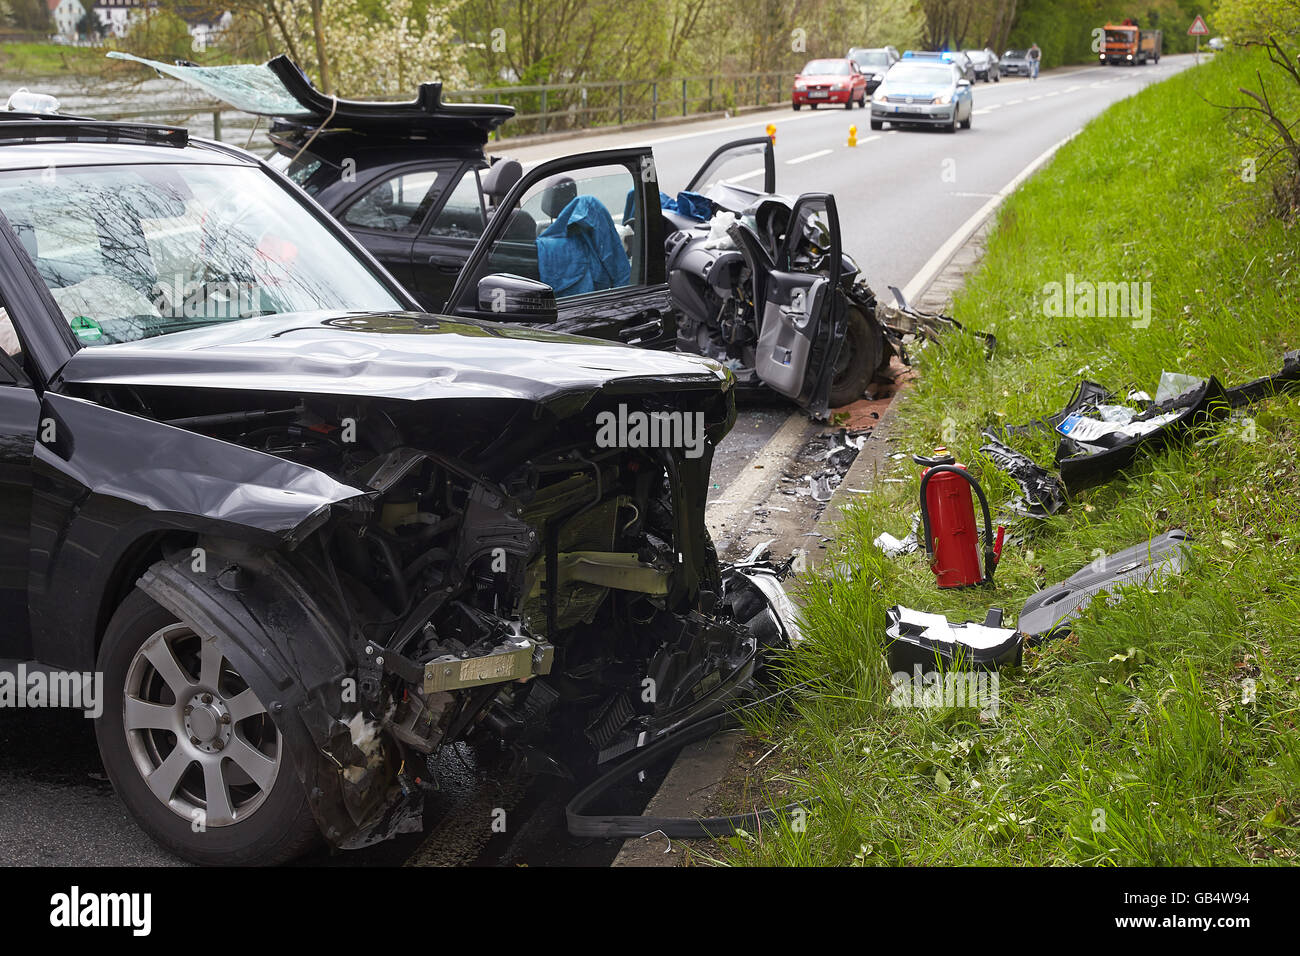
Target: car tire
{"x": 859, "y": 359}
{"x": 952, "y": 127}
{"x": 848, "y": 104}
{"x": 812, "y": 106}
{"x": 965, "y": 124}
{"x": 877, "y": 124}
{"x": 272, "y": 822}
{"x": 796, "y": 106}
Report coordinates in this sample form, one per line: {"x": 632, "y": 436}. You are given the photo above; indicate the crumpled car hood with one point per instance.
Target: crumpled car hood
{"x": 402, "y": 355}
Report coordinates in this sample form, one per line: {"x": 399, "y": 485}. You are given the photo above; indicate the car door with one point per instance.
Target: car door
{"x": 859, "y": 81}
{"x": 724, "y": 165}
{"x": 19, "y": 422}
{"x": 588, "y": 230}
{"x": 386, "y": 214}
{"x": 803, "y": 320}
{"x": 448, "y": 235}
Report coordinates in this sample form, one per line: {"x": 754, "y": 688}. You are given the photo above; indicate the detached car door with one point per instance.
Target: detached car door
{"x": 803, "y": 320}
{"x": 576, "y": 245}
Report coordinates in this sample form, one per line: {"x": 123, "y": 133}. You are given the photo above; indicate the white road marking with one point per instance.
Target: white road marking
{"x": 807, "y": 156}
{"x": 1013, "y": 103}
{"x": 748, "y": 125}
{"x": 945, "y": 252}
{"x": 752, "y": 174}
{"x": 761, "y": 473}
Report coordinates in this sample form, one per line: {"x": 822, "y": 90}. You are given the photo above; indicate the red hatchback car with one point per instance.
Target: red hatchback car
{"x": 830, "y": 81}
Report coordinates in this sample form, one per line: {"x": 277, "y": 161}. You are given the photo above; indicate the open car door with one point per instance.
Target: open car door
{"x": 731, "y": 175}
{"x": 724, "y": 165}
{"x": 803, "y": 320}
{"x": 576, "y": 245}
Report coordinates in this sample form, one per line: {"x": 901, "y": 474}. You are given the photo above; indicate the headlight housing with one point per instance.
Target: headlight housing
{"x": 943, "y": 99}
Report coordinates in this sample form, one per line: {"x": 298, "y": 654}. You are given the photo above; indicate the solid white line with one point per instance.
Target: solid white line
{"x": 759, "y": 472}
{"x": 917, "y": 285}
{"x": 870, "y": 138}
{"x": 807, "y": 156}
{"x": 747, "y": 125}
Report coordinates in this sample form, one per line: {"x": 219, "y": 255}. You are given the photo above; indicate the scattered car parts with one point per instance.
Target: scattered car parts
{"x": 928, "y": 642}
{"x": 1048, "y": 613}
{"x": 1043, "y": 495}
{"x": 1099, "y": 436}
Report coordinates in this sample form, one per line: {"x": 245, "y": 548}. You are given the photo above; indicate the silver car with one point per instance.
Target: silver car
{"x": 924, "y": 93}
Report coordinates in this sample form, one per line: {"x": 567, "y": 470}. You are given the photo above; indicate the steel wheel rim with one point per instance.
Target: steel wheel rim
{"x": 202, "y": 742}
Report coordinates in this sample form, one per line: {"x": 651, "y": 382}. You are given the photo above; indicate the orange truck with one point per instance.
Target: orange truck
{"x": 1129, "y": 45}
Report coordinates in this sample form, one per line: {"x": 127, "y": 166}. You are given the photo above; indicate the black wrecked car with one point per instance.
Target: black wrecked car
{"x": 309, "y": 534}
{"x": 412, "y": 182}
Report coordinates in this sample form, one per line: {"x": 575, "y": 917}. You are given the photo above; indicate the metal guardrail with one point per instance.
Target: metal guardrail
{"x": 554, "y": 107}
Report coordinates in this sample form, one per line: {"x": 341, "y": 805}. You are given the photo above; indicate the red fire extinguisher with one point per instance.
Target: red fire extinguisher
{"x": 948, "y": 523}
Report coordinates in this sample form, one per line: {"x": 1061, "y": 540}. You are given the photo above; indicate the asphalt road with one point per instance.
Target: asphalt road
{"x": 901, "y": 195}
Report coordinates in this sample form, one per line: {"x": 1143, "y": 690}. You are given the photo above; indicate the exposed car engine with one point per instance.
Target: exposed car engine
{"x": 519, "y": 585}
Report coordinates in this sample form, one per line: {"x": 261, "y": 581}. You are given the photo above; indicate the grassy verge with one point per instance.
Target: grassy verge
{"x": 1136, "y": 741}
{"x": 36, "y": 60}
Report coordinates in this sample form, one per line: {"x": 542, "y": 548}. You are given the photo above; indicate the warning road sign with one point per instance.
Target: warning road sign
{"x": 1198, "y": 28}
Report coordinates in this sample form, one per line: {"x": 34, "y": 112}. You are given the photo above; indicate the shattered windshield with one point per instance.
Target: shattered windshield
{"x": 300, "y": 168}
{"x": 133, "y": 252}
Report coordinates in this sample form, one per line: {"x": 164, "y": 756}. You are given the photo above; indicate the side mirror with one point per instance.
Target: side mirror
{"x": 516, "y": 297}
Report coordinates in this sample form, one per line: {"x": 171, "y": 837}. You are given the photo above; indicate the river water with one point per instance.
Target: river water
{"x": 163, "y": 99}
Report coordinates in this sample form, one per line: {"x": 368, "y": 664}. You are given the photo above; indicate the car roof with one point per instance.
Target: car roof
{"x": 29, "y": 141}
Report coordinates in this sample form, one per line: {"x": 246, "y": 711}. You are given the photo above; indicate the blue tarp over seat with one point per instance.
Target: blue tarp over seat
{"x": 581, "y": 251}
